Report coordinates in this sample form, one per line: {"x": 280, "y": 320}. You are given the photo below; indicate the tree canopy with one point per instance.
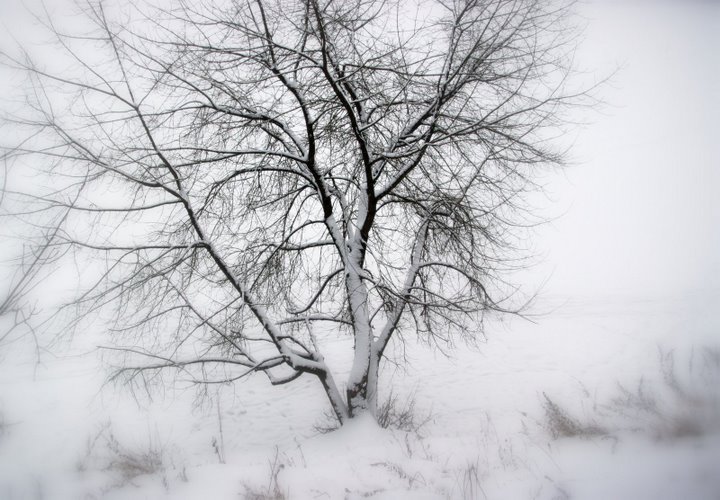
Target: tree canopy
{"x": 254, "y": 175}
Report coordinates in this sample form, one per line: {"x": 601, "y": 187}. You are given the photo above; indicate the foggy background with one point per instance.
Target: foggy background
{"x": 634, "y": 216}
{"x": 641, "y": 206}
{"x": 636, "y": 211}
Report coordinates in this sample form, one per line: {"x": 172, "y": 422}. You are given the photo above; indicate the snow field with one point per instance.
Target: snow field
{"x": 486, "y": 431}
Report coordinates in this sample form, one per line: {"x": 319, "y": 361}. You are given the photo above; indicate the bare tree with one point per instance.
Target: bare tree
{"x": 14, "y": 304}
{"x": 258, "y": 174}
{"x": 28, "y": 268}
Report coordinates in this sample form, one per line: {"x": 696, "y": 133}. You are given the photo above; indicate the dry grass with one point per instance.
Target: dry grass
{"x": 393, "y": 413}
{"x": 561, "y": 424}
{"x": 403, "y": 415}
{"x": 470, "y": 487}
{"x": 686, "y": 403}
{"x": 272, "y": 490}
{"x": 682, "y": 403}
{"x": 124, "y": 463}
{"x": 3, "y": 425}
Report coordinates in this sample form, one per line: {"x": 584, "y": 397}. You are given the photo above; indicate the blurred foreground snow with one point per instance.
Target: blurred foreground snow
{"x": 638, "y": 382}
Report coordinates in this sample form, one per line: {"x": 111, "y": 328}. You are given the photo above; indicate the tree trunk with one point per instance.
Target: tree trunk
{"x": 372, "y": 385}
{"x": 336, "y": 402}
{"x": 362, "y": 393}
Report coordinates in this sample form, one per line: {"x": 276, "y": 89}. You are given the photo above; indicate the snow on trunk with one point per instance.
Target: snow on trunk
{"x": 362, "y": 380}
{"x": 359, "y": 392}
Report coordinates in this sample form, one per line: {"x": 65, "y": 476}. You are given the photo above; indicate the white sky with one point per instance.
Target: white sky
{"x": 639, "y": 206}
{"x": 641, "y": 202}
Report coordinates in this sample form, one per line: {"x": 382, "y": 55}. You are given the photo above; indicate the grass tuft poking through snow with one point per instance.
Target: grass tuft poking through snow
{"x": 681, "y": 404}
{"x": 561, "y": 425}
{"x": 271, "y": 491}
{"x": 3, "y": 425}
{"x": 394, "y": 413}
{"x": 402, "y": 414}
{"x": 120, "y": 463}
{"x": 686, "y": 403}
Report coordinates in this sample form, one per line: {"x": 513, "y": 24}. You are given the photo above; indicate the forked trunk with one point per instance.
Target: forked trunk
{"x": 362, "y": 394}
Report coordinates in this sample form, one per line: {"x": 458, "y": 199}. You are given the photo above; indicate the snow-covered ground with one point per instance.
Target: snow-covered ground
{"x": 615, "y": 398}
{"x": 603, "y": 398}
